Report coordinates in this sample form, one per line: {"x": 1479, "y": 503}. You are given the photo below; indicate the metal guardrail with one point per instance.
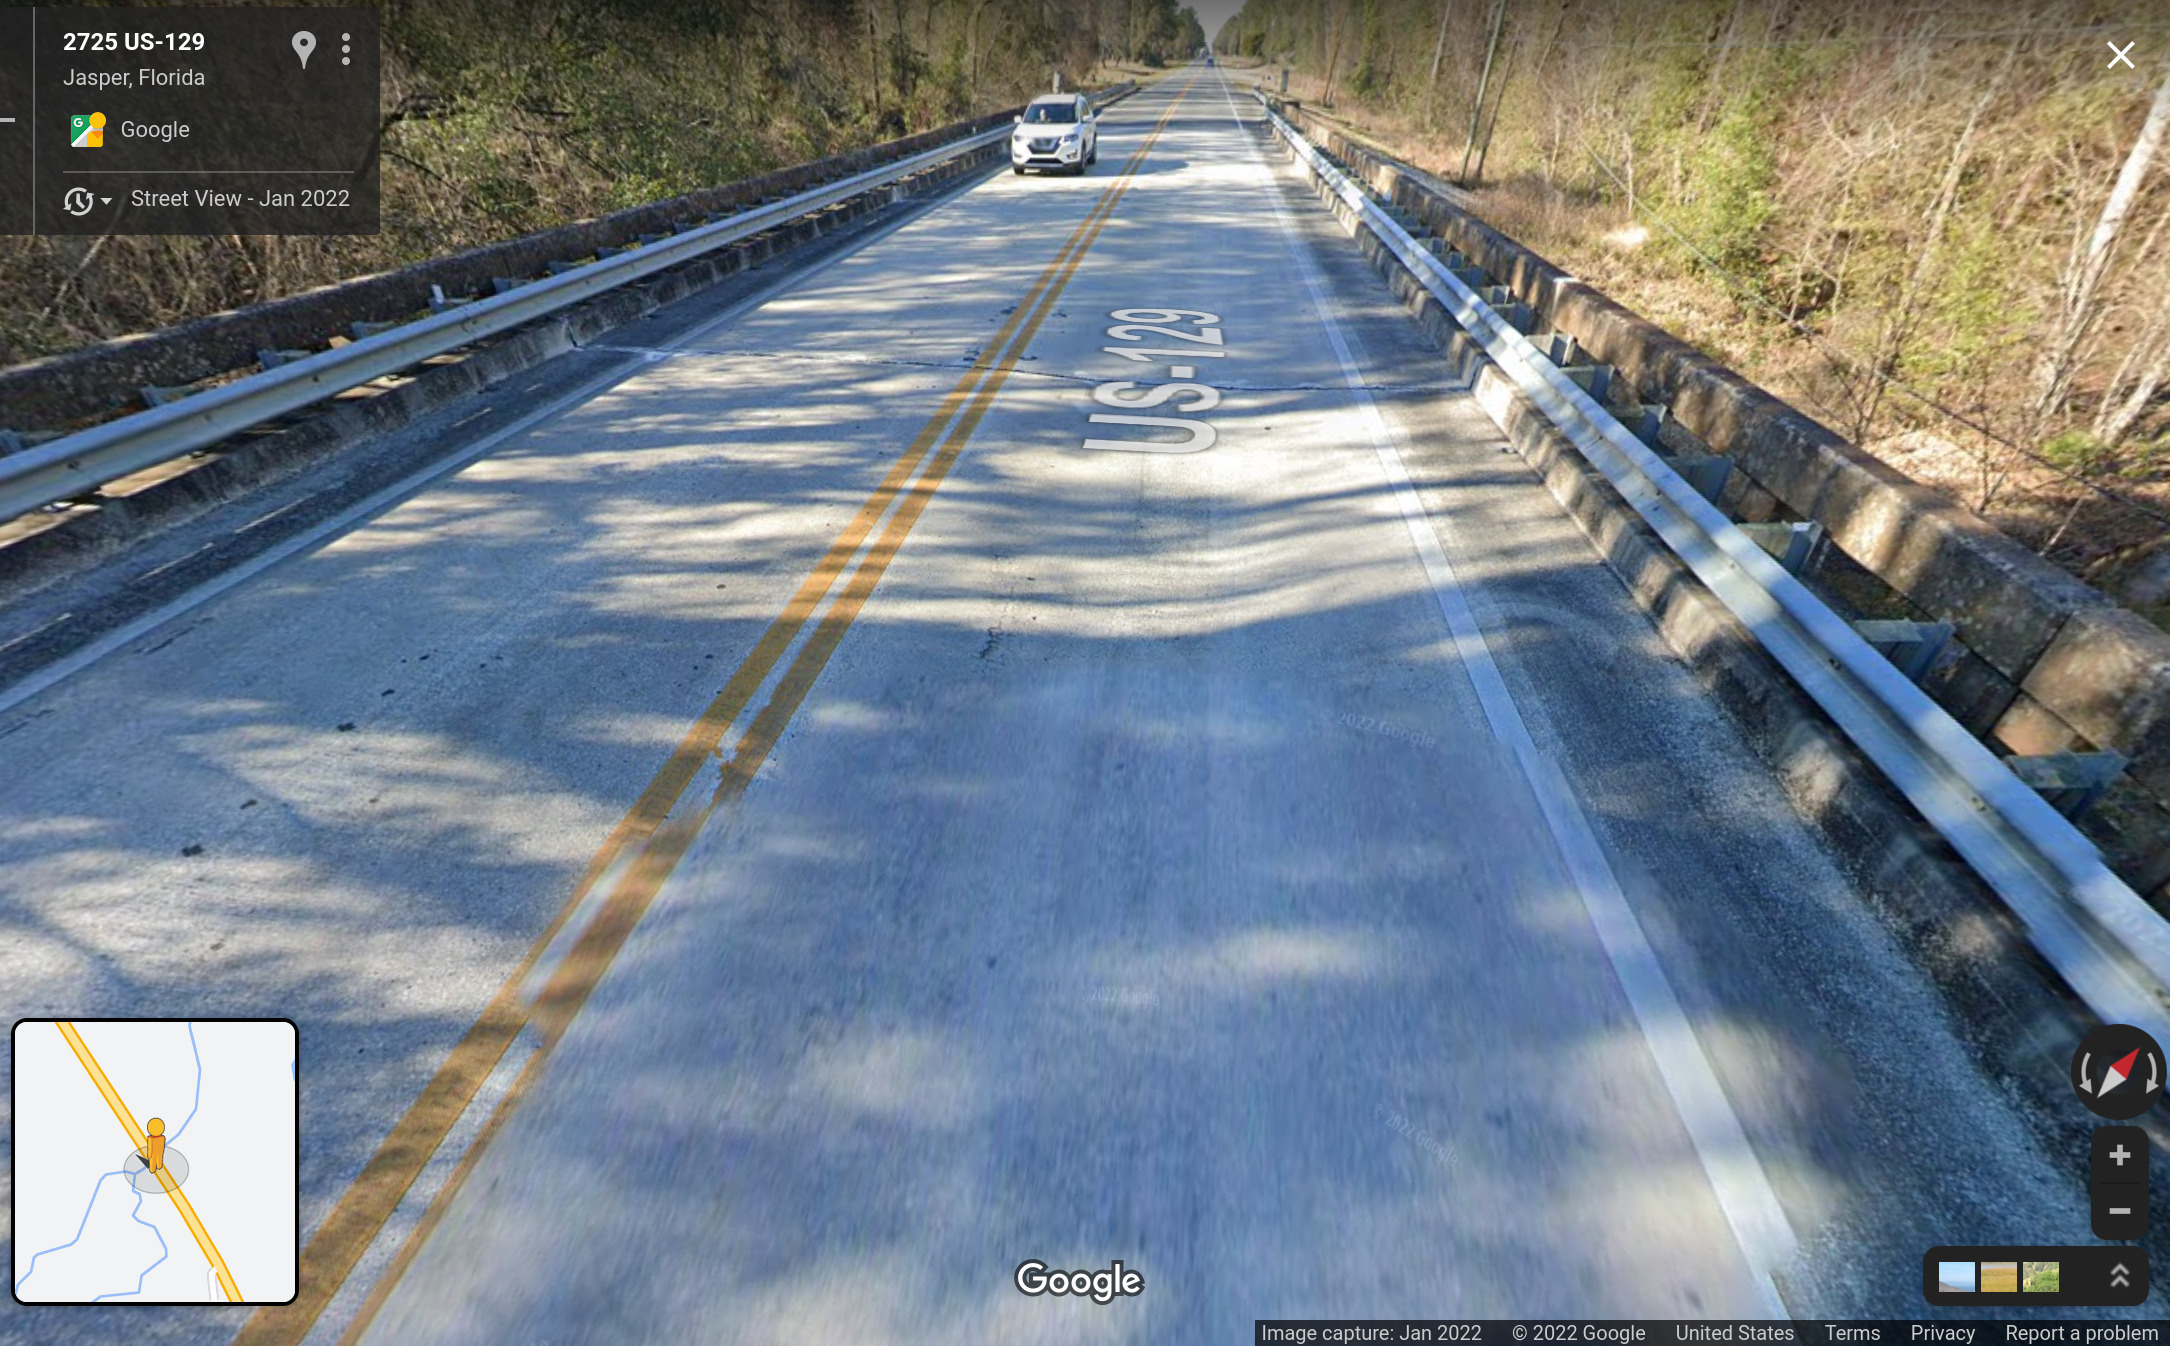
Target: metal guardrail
{"x": 76, "y": 465}
{"x": 2109, "y": 945}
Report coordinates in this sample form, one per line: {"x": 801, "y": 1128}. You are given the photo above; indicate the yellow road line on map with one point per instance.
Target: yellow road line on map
{"x": 165, "y": 1179}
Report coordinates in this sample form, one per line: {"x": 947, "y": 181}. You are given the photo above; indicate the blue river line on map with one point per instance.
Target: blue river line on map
{"x": 137, "y": 1213}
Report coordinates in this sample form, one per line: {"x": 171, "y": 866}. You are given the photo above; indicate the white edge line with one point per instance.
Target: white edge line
{"x": 62, "y": 669}
{"x": 376, "y": 1258}
{"x": 1760, "y": 1228}
{"x": 576, "y": 925}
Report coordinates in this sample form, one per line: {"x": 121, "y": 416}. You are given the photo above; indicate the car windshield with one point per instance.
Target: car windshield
{"x": 1049, "y": 114}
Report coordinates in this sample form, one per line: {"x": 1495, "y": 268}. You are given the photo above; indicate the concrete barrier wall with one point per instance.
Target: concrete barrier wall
{"x": 2049, "y": 663}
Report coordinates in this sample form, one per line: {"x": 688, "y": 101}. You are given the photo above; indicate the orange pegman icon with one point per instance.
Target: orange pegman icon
{"x": 154, "y": 1145}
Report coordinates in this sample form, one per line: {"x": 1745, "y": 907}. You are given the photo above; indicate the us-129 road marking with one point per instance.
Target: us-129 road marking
{"x": 1126, "y": 396}
{"x": 653, "y": 839}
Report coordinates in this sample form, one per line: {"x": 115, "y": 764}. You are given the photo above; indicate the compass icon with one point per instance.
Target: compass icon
{"x": 2118, "y": 1072}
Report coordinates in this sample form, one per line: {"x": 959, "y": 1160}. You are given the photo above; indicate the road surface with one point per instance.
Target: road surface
{"x": 833, "y": 837}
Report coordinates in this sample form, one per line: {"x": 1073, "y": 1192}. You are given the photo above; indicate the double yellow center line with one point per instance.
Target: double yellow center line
{"x": 647, "y": 844}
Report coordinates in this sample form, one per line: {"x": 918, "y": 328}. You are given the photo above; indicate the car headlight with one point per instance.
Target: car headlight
{"x": 1070, "y": 138}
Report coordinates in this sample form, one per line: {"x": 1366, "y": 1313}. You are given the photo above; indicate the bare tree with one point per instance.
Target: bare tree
{"x": 972, "y": 43}
{"x": 2084, "y": 271}
{"x": 1899, "y": 323}
{"x": 2118, "y": 415}
{"x": 1336, "y": 26}
{"x": 1439, "y": 44}
{"x": 1714, "y": 95}
{"x": 1484, "y": 80}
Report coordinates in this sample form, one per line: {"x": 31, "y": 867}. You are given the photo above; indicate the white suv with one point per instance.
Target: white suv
{"x": 1055, "y": 131}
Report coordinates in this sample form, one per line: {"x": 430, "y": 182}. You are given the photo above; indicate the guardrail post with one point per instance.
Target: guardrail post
{"x": 1912, "y": 646}
{"x": 2152, "y": 874}
{"x": 1594, "y": 379}
{"x": 1793, "y": 545}
{"x": 1645, "y": 421}
{"x": 2070, "y": 781}
{"x": 1706, "y": 472}
{"x": 438, "y": 303}
{"x": 16, "y": 441}
{"x": 1504, "y": 302}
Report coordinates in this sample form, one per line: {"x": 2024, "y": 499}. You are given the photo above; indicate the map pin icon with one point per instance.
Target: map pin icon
{"x": 304, "y": 43}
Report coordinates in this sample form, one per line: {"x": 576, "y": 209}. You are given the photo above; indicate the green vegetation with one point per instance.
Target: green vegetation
{"x": 2075, "y": 451}
{"x": 506, "y": 116}
{"x": 1943, "y": 230}
{"x": 1724, "y": 202}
